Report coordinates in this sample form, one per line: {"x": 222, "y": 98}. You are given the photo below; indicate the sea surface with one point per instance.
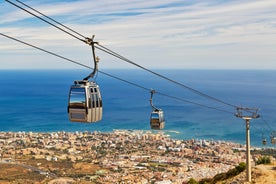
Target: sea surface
{"x": 36, "y": 100}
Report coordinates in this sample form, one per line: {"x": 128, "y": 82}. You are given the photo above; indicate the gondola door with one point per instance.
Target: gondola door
{"x": 77, "y": 107}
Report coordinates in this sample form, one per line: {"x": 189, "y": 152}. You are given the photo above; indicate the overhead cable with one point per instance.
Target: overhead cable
{"x": 108, "y": 51}
{"x": 269, "y": 127}
{"x": 86, "y": 40}
{"x": 187, "y": 101}
{"x": 51, "y": 19}
{"x": 48, "y": 22}
{"x": 44, "y": 50}
{"x": 162, "y": 76}
{"x": 123, "y": 80}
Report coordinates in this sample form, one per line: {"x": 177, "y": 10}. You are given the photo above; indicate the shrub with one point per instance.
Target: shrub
{"x": 206, "y": 181}
{"x": 264, "y": 160}
{"x": 241, "y": 167}
{"x": 231, "y": 173}
{"x": 220, "y": 177}
{"x": 192, "y": 181}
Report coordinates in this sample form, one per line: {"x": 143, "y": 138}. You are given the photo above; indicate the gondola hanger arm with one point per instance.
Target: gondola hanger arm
{"x": 151, "y": 95}
{"x": 90, "y": 41}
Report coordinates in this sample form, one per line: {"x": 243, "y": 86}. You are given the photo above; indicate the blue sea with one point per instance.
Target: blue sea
{"x": 36, "y": 100}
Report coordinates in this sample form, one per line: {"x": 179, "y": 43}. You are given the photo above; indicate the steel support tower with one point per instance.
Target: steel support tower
{"x": 247, "y": 114}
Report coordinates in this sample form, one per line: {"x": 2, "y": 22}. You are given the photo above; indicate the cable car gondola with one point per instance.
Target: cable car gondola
{"x": 85, "y": 102}
{"x": 272, "y": 137}
{"x": 272, "y": 140}
{"x": 264, "y": 141}
{"x": 157, "y": 120}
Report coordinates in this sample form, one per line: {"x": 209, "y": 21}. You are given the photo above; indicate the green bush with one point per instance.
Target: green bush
{"x": 220, "y": 177}
{"x": 264, "y": 160}
{"x": 231, "y": 173}
{"x": 241, "y": 167}
{"x": 192, "y": 181}
{"x": 206, "y": 181}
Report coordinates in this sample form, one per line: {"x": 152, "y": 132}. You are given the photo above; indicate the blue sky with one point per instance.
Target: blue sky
{"x": 183, "y": 34}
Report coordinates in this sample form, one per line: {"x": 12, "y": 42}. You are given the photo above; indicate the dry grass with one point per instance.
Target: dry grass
{"x": 261, "y": 174}
{"x": 264, "y": 174}
{"x": 10, "y": 173}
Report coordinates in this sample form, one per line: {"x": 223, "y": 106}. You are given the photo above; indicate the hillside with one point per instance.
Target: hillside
{"x": 261, "y": 174}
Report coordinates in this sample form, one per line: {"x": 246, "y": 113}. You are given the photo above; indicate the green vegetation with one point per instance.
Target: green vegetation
{"x": 192, "y": 181}
{"x": 241, "y": 167}
{"x": 264, "y": 160}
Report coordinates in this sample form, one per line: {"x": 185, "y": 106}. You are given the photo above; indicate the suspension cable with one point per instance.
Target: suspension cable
{"x": 108, "y": 51}
{"x": 187, "y": 101}
{"x": 123, "y": 80}
{"x": 269, "y": 127}
{"x": 162, "y": 76}
{"x": 45, "y": 50}
{"x": 48, "y": 22}
{"x": 51, "y": 19}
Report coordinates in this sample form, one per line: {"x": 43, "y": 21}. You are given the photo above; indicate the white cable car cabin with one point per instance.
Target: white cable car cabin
{"x": 272, "y": 140}
{"x": 157, "y": 120}
{"x": 272, "y": 137}
{"x": 85, "y": 102}
{"x": 264, "y": 141}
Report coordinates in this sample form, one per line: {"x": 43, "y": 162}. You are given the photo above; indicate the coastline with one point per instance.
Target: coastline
{"x": 23, "y": 109}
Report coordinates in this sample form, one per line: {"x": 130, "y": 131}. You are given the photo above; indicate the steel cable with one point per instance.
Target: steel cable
{"x": 123, "y": 80}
